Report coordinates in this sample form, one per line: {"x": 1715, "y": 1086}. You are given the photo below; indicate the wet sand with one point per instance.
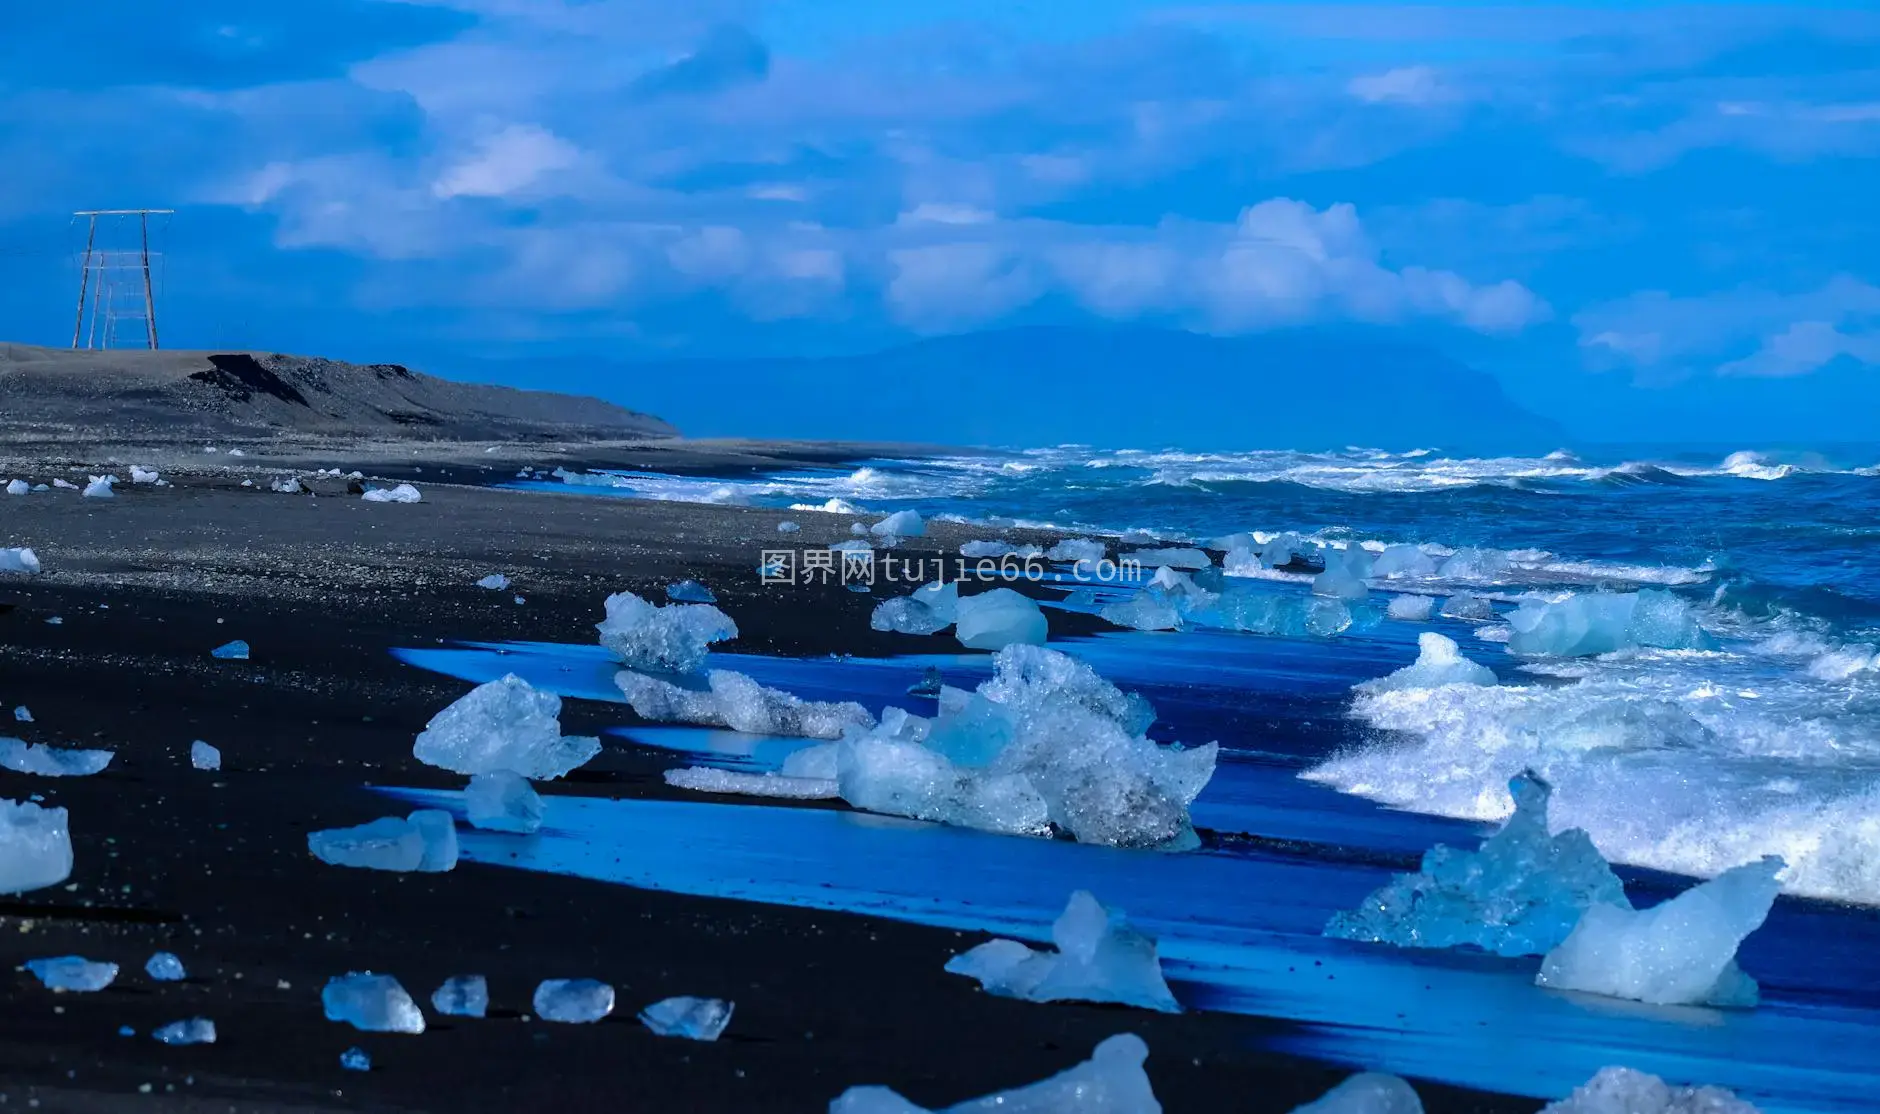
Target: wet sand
{"x": 214, "y": 867}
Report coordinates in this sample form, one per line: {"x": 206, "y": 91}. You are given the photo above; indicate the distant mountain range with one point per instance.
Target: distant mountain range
{"x": 1117, "y": 388}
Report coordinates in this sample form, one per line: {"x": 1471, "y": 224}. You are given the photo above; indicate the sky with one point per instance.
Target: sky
{"x": 1648, "y": 221}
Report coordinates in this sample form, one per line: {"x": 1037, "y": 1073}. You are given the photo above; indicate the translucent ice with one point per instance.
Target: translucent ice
{"x": 100, "y": 487}
{"x": 1520, "y": 893}
{"x": 1152, "y": 608}
{"x": 371, "y": 1003}
{"x": 204, "y": 757}
{"x": 425, "y": 841}
{"x": 997, "y": 549}
{"x": 403, "y": 493}
{"x": 576, "y": 1001}
{"x": 736, "y": 701}
{"x": 17, "y": 487}
{"x": 1344, "y": 575}
{"x": 1680, "y": 952}
{"x": 165, "y": 967}
{"x": 1366, "y": 1093}
{"x": 669, "y": 639}
{"x": 505, "y": 724}
{"x": 1474, "y": 564}
{"x": 930, "y": 609}
{"x": 787, "y": 528}
{"x": 705, "y": 779}
{"x": 74, "y": 973}
{"x": 231, "y": 651}
{"x": 999, "y": 618}
{"x": 1603, "y": 622}
{"x": 900, "y": 524}
{"x": 1178, "y": 558}
{"x": 1403, "y": 561}
{"x": 1411, "y": 609}
{"x": 1281, "y": 550}
{"x": 35, "y": 847}
{"x": 495, "y": 582}
{"x": 1076, "y": 549}
{"x": 19, "y": 560}
{"x": 1625, "y": 1091}
{"x": 355, "y": 1059}
{"x": 22, "y": 714}
{"x": 26, "y": 758}
{"x": 699, "y": 1019}
{"x": 1110, "y": 1082}
{"x": 197, "y": 1030}
{"x": 1439, "y": 662}
{"x": 462, "y": 996}
{"x": 502, "y": 802}
{"x": 690, "y": 591}
{"x": 142, "y": 475}
{"x": 1099, "y": 958}
{"x": 1465, "y": 606}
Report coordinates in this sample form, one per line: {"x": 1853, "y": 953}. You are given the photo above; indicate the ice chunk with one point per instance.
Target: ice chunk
{"x": 22, "y": 714}
{"x": 35, "y": 847}
{"x": 705, "y": 779}
{"x": 736, "y": 701}
{"x": 505, "y": 724}
{"x": 196, "y": 1030}
{"x": 1178, "y": 558}
{"x": 1520, "y": 893}
{"x": 495, "y": 582}
{"x": 17, "y": 487}
{"x": 1680, "y": 952}
{"x": 204, "y": 757}
{"x": 462, "y": 996}
{"x": 425, "y": 841}
{"x": 502, "y": 801}
{"x": 1625, "y": 1091}
{"x": 1099, "y": 958}
{"x": 1366, "y": 1093}
{"x": 1281, "y": 550}
{"x": 1110, "y": 1082}
{"x": 74, "y": 973}
{"x": 690, "y": 591}
{"x": 1474, "y": 564}
{"x": 371, "y": 1003}
{"x": 1344, "y": 575}
{"x": 1148, "y": 609}
{"x": 1411, "y": 609}
{"x": 575, "y": 1001}
{"x": 142, "y": 475}
{"x": 699, "y": 1019}
{"x": 65, "y": 485}
{"x": 930, "y": 609}
{"x": 1327, "y": 617}
{"x": 25, "y": 758}
{"x": 1604, "y": 622}
{"x": 669, "y": 639}
{"x": 165, "y": 967}
{"x": 403, "y": 493}
{"x": 1399, "y": 561}
{"x": 100, "y": 487}
{"x": 1439, "y": 662}
{"x": 999, "y": 618}
{"x": 291, "y": 485}
{"x": 1076, "y": 549}
{"x": 355, "y": 1059}
{"x": 787, "y": 528}
{"x": 19, "y": 560}
{"x": 900, "y": 524}
{"x": 1465, "y": 606}
{"x": 999, "y": 549}
{"x": 231, "y": 651}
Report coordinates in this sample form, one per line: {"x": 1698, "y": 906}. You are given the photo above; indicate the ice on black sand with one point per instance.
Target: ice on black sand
{"x": 196, "y": 1030}
{"x": 690, "y": 591}
{"x": 655, "y": 639}
{"x": 355, "y": 1059}
{"x": 204, "y": 757}
{"x": 35, "y": 847}
{"x": 1367, "y": 1093}
{"x": 165, "y": 967}
{"x": 22, "y": 714}
{"x": 73, "y": 972}
{"x": 699, "y": 1019}
{"x": 403, "y": 493}
{"x": 999, "y": 618}
{"x": 231, "y": 651}
{"x": 1099, "y": 958}
{"x": 424, "y": 841}
{"x": 502, "y": 802}
{"x": 495, "y": 582}
{"x": 25, "y": 758}
{"x": 1110, "y": 1082}
{"x": 100, "y": 487}
{"x": 505, "y": 724}
{"x": 462, "y": 996}
{"x": 371, "y": 1003}
{"x": 1618, "y": 1090}
{"x": 574, "y": 1001}
{"x": 19, "y": 559}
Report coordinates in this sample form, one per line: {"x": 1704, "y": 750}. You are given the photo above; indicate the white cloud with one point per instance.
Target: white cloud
{"x": 1413, "y": 85}
{"x": 1747, "y": 331}
{"x": 507, "y": 162}
{"x": 1804, "y": 347}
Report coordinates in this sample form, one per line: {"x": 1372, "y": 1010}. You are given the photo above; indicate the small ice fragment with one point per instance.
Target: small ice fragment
{"x": 66, "y": 485}
{"x": 858, "y": 529}
{"x": 655, "y": 639}
{"x": 236, "y": 452}
{"x": 231, "y": 651}
{"x": 403, "y": 493}
{"x": 505, "y": 724}
{"x": 1345, "y": 573}
{"x": 495, "y": 582}
{"x": 1679, "y": 952}
{"x": 699, "y": 1019}
{"x": 426, "y": 841}
{"x": 900, "y": 524}
{"x": 462, "y": 996}
{"x": 1076, "y": 549}
{"x": 1474, "y": 564}
{"x": 690, "y": 591}
{"x": 355, "y": 1059}
{"x": 1617, "y": 1090}
{"x": 1366, "y": 1093}
{"x": 1099, "y": 958}
{"x": 126, "y": 1031}
{"x": 574, "y": 1001}
{"x": 22, "y": 714}
{"x": 1602, "y": 622}
{"x": 288, "y": 485}
{"x": 519, "y": 601}
{"x": 1403, "y": 561}
{"x": 502, "y": 801}
{"x": 165, "y": 967}
{"x": 930, "y": 609}
{"x": 100, "y": 487}
{"x": 439, "y": 832}
{"x": 787, "y": 527}
{"x": 142, "y": 475}
{"x": 1181, "y": 558}
{"x": 18, "y": 487}
{"x": 19, "y": 560}
{"x": 204, "y": 757}
{"x": 999, "y": 618}
{"x": 35, "y": 847}
{"x": 736, "y": 701}
{"x": 1439, "y": 662}
{"x": 74, "y": 973}
{"x": 371, "y": 1003}
{"x": 1466, "y": 606}
{"x": 705, "y": 779}
{"x": 197, "y": 1030}
{"x": 25, "y": 758}
{"x": 1110, "y": 1082}
{"x": 1411, "y": 609}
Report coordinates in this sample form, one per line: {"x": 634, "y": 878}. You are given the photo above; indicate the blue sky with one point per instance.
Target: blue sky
{"x": 1644, "y": 219}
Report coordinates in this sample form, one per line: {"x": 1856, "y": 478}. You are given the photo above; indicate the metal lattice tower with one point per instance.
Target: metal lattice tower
{"x": 114, "y": 284}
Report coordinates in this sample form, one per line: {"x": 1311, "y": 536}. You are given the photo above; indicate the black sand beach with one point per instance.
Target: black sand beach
{"x": 214, "y": 866}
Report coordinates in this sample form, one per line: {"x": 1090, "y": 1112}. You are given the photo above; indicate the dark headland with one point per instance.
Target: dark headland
{"x": 215, "y": 868}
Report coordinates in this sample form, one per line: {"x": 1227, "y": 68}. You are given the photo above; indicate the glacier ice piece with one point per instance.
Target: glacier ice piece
{"x": 438, "y": 830}
{"x": 505, "y": 724}
{"x": 371, "y": 1003}
{"x": 73, "y": 972}
{"x": 196, "y": 1030}
{"x": 22, "y": 714}
{"x": 705, "y": 779}
{"x": 495, "y": 582}
{"x": 699, "y": 1019}
{"x": 403, "y": 493}
{"x": 573, "y": 1001}
{"x": 165, "y": 967}
{"x": 355, "y": 1059}
{"x": 1180, "y": 557}
{"x": 690, "y": 591}
{"x": 929, "y": 609}
{"x": 900, "y": 524}
{"x": 655, "y": 639}
{"x": 1000, "y": 549}
{"x": 35, "y": 847}
{"x": 1151, "y": 608}
{"x": 1281, "y": 550}
{"x": 462, "y": 996}
{"x": 736, "y": 701}
{"x": 1411, "y": 609}
{"x": 788, "y": 528}
{"x": 1403, "y": 561}
{"x": 1474, "y": 564}
{"x": 1465, "y": 606}
{"x": 17, "y": 487}
{"x": 1345, "y": 573}
{"x": 1679, "y": 952}
{"x": 1617, "y": 1090}
{"x": 1076, "y": 549}
{"x": 19, "y": 559}
{"x": 1327, "y": 617}
{"x": 502, "y": 801}
{"x": 231, "y": 651}
{"x": 204, "y": 757}
{"x": 100, "y": 487}
{"x": 1520, "y": 893}
{"x": 1591, "y": 623}
{"x": 1099, "y": 958}
{"x": 1110, "y": 1082}
{"x": 143, "y": 475}
{"x": 26, "y": 758}
{"x": 1366, "y": 1093}
{"x": 999, "y": 618}
{"x": 1439, "y": 662}
{"x": 425, "y": 841}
